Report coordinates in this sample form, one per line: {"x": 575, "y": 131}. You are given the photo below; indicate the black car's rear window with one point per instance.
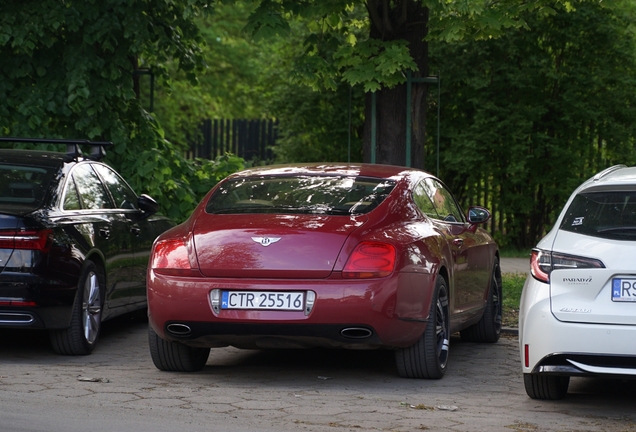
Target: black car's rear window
{"x": 608, "y": 214}
{"x": 23, "y": 185}
{"x": 335, "y": 195}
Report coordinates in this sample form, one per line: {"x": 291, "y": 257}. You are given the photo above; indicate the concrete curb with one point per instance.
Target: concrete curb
{"x": 510, "y": 331}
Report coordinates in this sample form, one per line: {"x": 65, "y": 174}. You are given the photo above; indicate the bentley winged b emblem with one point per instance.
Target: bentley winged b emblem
{"x": 265, "y": 241}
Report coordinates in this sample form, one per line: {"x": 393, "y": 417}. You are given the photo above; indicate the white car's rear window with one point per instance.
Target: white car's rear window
{"x": 607, "y": 214}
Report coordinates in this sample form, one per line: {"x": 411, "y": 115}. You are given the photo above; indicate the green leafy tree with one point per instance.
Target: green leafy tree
{"x": 374, "y": 43}
{"x": 232, "y": 84}
{"x": 255, "y": 79}
{"x": 530, "y": 115}
{"x": 73, "y": 69}
{"x": 313, "y": 126}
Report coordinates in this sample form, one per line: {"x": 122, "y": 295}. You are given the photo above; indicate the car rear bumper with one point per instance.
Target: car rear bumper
{"x": 550, "y": 346}
{"x": 346, "y": 313}
{"x": 35, "y": 317}
{"x": 285, "y": 335}
{"x": 28, "y": 301}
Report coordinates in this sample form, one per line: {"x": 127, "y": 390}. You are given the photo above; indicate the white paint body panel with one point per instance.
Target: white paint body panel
{"x": 574, "y": 312}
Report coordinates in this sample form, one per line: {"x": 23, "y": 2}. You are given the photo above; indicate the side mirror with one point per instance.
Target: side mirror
{"x": 147, "y": 205}
{"x": 478, "y": 215}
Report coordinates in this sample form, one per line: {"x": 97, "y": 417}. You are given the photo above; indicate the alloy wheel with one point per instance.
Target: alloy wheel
{"x": 91, "y": 308}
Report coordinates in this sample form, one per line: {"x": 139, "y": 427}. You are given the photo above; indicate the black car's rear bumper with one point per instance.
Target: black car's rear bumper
{"x": 30, "y": 301}
{"x": 35, "y": 317}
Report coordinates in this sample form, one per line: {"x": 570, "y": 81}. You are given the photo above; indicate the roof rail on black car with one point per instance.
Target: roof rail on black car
{"x": 72, "y": 145}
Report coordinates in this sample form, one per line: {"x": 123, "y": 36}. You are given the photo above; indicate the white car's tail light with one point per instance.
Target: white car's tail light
{"x": 543, "y": 262}
{"x": 370, "y": 260}
{"x": 170, "y": 257}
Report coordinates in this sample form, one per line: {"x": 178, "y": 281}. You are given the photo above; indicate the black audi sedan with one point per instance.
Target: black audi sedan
{"x": 74, "y": 243}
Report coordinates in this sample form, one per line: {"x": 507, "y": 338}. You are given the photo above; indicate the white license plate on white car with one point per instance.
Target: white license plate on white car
{"x": 268, "y": 300}
{"x": 624, "y": 289}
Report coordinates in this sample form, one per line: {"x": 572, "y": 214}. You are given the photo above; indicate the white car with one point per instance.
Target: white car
{"x": 578, "y": 306}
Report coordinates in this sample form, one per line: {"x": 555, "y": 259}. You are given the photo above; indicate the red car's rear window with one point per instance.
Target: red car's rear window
{"x": 300, "y": 194}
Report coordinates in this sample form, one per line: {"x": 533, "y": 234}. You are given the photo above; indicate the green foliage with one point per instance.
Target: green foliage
{"x": 337, "y": 50}
{"x": 538, "y": 111}
{"x": 314, "y": 126}
{"x": 262, "y": 79}
{"x": 231, "y": 86}
{"x": 70, "y": 69}
{"x": 374, "y": 63}
{"x": 177, "y": 183}
{"x": 512, "y": 286}
{"x": 512, "y": 252}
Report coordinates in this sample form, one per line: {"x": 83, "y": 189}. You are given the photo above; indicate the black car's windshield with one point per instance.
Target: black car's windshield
{"x": 333, "y": 195}
{"x": 610, "y": 215}
{"x": 23, "y": 186}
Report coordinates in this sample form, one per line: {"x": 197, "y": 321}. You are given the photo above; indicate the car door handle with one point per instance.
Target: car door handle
{"x": 458, "y": 242}
{"x": 135, "y": 230}
{"x": 103, "y": 232}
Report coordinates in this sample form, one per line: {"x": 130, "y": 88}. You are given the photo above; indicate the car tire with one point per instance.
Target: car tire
{"x": 81, "y": 336}
{"x": 546, "y": 387}
{"x": 488, "y": 329}
{"x": 174, "y": 356}
{"x": 428, "y": 357}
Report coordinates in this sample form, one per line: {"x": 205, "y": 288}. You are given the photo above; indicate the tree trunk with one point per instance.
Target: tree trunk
{"x": 406, "y": 19}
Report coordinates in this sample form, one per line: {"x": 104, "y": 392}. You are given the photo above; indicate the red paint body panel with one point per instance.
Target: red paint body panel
{"x": 364, "y": 303}
{"x": 307, "y": 252}
{"x": 226, "y": 245}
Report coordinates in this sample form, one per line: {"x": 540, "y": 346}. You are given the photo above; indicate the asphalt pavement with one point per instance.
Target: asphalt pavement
{"x": 515, "y": 265}
{"x": 117, "y": 388}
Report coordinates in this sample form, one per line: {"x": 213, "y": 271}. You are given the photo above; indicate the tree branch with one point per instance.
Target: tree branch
{"x": 386, "y": 17}
{"x": 376, "y": 20}
{"x": 404, "y": 14}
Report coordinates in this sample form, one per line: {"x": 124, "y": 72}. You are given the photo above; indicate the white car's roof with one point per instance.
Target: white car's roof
{"x": 615, "y": 175}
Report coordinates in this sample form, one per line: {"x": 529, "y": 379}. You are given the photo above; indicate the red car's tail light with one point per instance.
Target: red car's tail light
{"x": 370, "y": 260}
{"x": 32, "y": 239}
{"x": 171, "y": 257}
{"x": 543, "y": 262}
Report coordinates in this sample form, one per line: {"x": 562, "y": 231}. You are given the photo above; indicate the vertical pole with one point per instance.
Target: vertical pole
{"x": 439, "y": 91}
{"x": 349, "y": 130}
{"x": 373, "y": 127}
{"x": 152, "y": 91}
{"x": 408, "y": 119}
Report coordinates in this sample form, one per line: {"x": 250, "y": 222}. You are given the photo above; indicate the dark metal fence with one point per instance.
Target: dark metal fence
{"x": 249, "y": 139}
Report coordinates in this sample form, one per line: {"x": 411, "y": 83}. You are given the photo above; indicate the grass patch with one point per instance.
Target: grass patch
{"x": 512, "y": 287}
{"x": 511, "y": 252}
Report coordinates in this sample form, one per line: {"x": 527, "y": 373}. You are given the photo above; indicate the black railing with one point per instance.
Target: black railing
{"x": 249, "y": 139}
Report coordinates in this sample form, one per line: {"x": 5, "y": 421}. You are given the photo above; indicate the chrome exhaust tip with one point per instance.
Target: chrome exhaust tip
{"x": 356, "y": 333}
{"x": 179, "y": 329}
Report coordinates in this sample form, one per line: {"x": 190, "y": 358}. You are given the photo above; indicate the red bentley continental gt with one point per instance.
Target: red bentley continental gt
{"x": 336, "y": 256}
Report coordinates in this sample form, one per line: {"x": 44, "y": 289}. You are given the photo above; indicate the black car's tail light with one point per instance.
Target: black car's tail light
{"x": 370, "y": 260}
{"x": 28, "y": 239}
{"x": 170, "y": 257}
{"x": 543, "y": 262}
{"x": 17, "y": 302}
